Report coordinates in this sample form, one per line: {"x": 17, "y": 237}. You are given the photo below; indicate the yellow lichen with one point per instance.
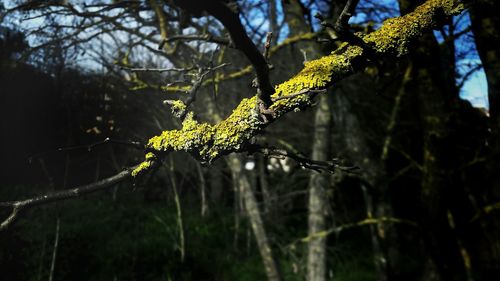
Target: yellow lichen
{"x": 178, "y": 108}
{"x": 145, "y": 165}
{"x": 316, "y": 74}
{"x": 395, "y": 34}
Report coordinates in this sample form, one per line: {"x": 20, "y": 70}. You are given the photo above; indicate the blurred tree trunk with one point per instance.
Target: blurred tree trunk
{"x": 243, "y": 182}
{"x": 318, "y": 182}
{"x": 296, "y": 18}
{"x": 243, "y": 190}
{"x": 216, "y": 183}
{"x": 178, "y": 208}
{"x": 267, "y": 194}
{"x": 294, "y": 12}
{"x": 203, "y": 189}
{"x": 485, "y": 22}
{"x": 431, "y": 83}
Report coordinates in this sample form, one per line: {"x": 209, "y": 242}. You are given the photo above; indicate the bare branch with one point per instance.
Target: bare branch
{"x": 267, "y": 46}
{"x": 196, "y": 37}
{"x": 179, "y": 108}
{"x": 465, "y": 77}
{"x": 159, "y": 70}
{"x": 347, "y": 13}
{"x": 22, "y": 205}
{"x": 306, "y": 163}
{"x": 229, "y": 17}
{"x": 341, "y": 32}
{"x": 89, "y": 147}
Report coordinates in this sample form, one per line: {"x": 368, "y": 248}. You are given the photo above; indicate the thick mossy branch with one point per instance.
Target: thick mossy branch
{"x": 396, "y": 34}
{"x": 207, "y": 142}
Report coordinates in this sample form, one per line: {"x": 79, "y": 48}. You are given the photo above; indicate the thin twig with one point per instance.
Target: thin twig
{"x": 307, "y": 163}
{"x": 347, "y": 13}
{"x": 89, "y": 147}
{"x": 338, "y": 229}
{"x": 160, "y": 70}
{"x": 202, "y": 73}
{"x": 22, "y": 205}
{"x": 196, "y": 37}
{"x": 341, "y": 27}
{"x": 267, "y": 45}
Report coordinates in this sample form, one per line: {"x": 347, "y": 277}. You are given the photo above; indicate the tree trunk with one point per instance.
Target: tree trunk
{"x": 379, "y": 257}
{"x": 203, "y": 190}
{"x": 317, "y": 207}
{"x": 254, "y": 216}
{"x": 243, "y": 190}
{"x": 438, "y": 160}
{"x": 178, "y": 208}
{"x": 485, "y": 22}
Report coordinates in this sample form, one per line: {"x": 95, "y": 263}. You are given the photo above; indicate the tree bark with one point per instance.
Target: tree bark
{"x": 254, "y": 216}
{"x": 485, "y": 23}
{"x": 318, "y": 182}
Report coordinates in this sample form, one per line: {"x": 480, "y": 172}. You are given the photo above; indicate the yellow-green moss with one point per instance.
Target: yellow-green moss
{"x": 192, "y": 135}
{"x": 178, "y": 108}
{"x": 145, "y": 165}
{"x": 207, "y": 141}
{"x": 210, "y": 141}
{"x": 316, "y": 74}
{"x": 395, "y": 34}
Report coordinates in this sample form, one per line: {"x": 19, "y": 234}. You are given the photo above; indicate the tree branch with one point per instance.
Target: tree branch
{"x": 229, "y": 17}
{"x": 196, "y": 37}
{"x": 179, "y": 108}
{"x": 208, "y": 142}
{"x": 304, "y": 162}
{"x": 159, "y": 70}
{"x": 348, "y": 11}
{"x": 22, "y": 205}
